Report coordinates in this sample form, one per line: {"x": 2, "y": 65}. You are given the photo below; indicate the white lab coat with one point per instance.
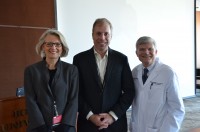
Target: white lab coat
{"x": 158, "y": 106}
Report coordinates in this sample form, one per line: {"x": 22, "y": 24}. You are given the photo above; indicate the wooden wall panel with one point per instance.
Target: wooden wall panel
{"x": 21, "y": 24}
{"x": 17, "y": 51}
{"x": 27, "y": 13}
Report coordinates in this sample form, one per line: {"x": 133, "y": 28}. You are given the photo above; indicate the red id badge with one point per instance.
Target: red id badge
{"x": 57, "y": 119}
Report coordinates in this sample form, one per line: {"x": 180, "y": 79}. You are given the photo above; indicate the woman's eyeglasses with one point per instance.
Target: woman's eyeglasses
{"x": 50, "y": 44}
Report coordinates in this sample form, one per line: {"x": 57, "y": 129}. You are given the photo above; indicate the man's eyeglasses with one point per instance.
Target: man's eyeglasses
{"x": 50, "y": 44}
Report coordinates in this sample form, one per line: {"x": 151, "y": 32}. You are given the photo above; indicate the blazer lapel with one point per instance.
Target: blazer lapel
{"x": 45, "y": 73}
{"x": 57, "y": 74}
{"x": 108, "y": 67}
{"x": 93, "y": 67}
{"x": 46, "y": 77}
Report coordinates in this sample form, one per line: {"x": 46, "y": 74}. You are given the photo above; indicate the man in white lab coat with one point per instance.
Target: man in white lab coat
{"x": 158, "y": 106}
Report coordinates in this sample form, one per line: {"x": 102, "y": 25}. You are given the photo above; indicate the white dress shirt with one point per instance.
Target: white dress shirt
{"x": 102, "y": 63}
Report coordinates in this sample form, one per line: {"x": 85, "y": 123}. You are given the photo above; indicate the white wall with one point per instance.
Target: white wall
{"x": 169, "y": 22}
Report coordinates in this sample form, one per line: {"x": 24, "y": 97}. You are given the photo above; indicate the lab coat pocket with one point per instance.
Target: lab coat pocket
{"x": 151, "y": 130}
{"x": 156, "y": 92}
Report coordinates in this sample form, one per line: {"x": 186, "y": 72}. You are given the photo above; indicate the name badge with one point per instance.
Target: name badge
{"x": 57, "y": 119}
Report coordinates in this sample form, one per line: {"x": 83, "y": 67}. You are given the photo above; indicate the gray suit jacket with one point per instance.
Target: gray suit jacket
{"x": 116, "y": 94}
{"x": 39, "y": 100}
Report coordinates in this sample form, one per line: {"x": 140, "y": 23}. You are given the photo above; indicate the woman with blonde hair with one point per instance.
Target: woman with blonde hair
{"x": 51, "y": 87}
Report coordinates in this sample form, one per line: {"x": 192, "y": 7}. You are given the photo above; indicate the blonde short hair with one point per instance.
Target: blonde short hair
{"x": 54, "y": 32}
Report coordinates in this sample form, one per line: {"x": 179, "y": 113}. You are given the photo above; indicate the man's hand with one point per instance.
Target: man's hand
{"x": 98, "y": 120}
{"x": 106, "y": 118}
{"x": 102, "y": 120}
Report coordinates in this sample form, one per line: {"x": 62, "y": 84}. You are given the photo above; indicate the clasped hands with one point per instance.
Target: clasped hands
{"x": 102, "y": 120}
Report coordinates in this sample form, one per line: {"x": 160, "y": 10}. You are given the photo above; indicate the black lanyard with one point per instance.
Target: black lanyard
{"x": 52, "y": 74}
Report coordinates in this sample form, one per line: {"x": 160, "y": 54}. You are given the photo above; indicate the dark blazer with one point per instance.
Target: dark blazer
{"x": 39, "y": 99}
{"x": 115, "y": 94}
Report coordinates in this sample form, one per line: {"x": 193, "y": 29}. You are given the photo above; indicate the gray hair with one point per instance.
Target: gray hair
{"x": 102, "y": 21}
{"x": 54, "y": 32}
{"x": 145, "y": 40}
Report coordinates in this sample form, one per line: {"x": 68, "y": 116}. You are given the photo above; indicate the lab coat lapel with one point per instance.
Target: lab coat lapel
{"x": 139, "y": 75}
{"x": 151, "y": 77}
{"x": 154, "y": 73}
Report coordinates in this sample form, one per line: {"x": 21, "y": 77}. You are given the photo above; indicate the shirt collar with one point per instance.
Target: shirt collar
{"x": 97, "y": 54}
{"x": 151, "y": 66}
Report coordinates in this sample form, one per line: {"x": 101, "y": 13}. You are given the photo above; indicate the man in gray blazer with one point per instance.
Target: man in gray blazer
{"x": 106, "y": 87}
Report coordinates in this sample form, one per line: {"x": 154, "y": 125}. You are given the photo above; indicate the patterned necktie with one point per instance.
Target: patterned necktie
{"x": 144, "y": 77}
